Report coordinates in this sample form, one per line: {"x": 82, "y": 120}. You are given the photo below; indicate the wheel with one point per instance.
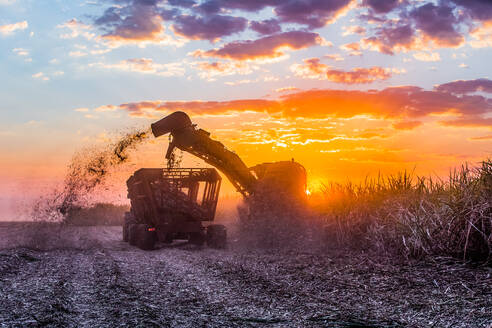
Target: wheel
{"x": 197, "y": 238}
{"x": 216, "y": 236}
{"x": 125, "y": 232}
{"x": 132, "y": 234}
{"x": 127, "y": 220}
{"x": 169, "y": 238}
{"x": 146, "y": 237}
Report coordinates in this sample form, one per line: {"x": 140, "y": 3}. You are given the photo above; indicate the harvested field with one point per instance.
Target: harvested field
{"x": 104, "y": 282}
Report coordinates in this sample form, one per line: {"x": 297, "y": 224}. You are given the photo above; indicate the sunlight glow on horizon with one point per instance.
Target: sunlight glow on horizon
{"x": 349, "y": 90}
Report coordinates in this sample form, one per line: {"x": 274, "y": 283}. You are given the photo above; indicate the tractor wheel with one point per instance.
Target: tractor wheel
{"x": 216, "y": 236}
{"x": 146, "y": 237}
{"x": 197, "y": 238}
{"x": 128, "y": 219}
{"x": 132, "y": 234}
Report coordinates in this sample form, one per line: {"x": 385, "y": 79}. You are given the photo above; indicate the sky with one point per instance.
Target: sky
{"x": 348, "y": 88}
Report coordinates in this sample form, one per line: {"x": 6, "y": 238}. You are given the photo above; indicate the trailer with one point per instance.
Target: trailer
{"x": 173, "y": 203}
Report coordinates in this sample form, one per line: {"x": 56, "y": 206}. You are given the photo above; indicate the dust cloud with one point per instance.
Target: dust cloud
{"x": 88, "y": 169}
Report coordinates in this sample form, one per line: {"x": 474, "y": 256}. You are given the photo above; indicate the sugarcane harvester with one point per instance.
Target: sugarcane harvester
{"x": 169, "y": 204}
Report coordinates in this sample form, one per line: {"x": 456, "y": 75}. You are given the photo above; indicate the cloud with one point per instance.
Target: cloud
{"x": 406, "y": 125}
{"x": 106, "y": 108}
{"x": 269, "y": 47}
{"x": 214, "y": 6}
{"x": 312, "y": 13}
{"x": 438, "y": 24}
{"x": 149, "y": 108}
{"x": 314, "y": 69}
{"x": 210, "y": 70}
{"x": 286, "y": 89}
{"x": 396, "y": 25}
{"x": 211, "y": 27}
{"x": 41, "y": 76}
{"x": 81, "y": 109}
{"x": 488, "y": 137}
{"x": 427, "y": 56}
{"x": 335, "y": 57}
{"x": 476, "y": 9}
{"x": 311, "y": 69}
{"x": 466, "y": 86}
{"x": 349, "y": 30}
{"x": 137, "y": 22}
{"x": 246, "y": 81}
{"x": 358, "y": 75}
{"x": 392, "y": 38}
{"x": 381, "y": 6}
{"x": 423, "y": 25}
{"x": 76, "y": 29}
{"x": 266, "y": 27}
{"x": 353, "y": 48}
{"x": 474, "y": 121}
{"x": 77, "y": 54}
{"x": 144, "y": 66}
{"x": 9, "y": 29}
{"x": 182, "y": 3}
{"x": 138, "y": 28}
{"x": 482, "y": 36}
{"x": 21, "y": 52}
{"x": 406, "y": 103}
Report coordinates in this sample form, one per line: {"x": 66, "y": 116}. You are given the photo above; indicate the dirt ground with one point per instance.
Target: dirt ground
{"x": 88, "y": 277}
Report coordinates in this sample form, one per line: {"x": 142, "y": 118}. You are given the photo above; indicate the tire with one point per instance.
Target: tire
{"x": 216, "y": 236}
{"x": 125, "y": 232}
{"x": 132, "y": 234}
{"x": 127, "y": 220}
{"x": 146, "y": 239}
{"x": 197, "y": 238}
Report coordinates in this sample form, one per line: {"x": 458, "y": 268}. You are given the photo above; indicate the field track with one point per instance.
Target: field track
{"x": 99, "y": 281}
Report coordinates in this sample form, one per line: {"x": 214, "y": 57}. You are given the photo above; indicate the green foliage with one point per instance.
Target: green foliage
{"x": 414, "y": 216}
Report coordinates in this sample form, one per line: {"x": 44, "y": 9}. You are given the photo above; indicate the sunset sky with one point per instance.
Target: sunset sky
{"x": 348, "y": 88}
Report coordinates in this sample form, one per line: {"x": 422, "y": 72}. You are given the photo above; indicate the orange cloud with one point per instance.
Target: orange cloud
{"x": 201, "y": 107}
{"x": 353, "y": 48}
{"x": 354, "y": 29}
{"x": 358, "y": 75}
{"x": 106, "y": 108}
{"x": 427, "y": 57}
{"x": 335, "y": 57}
{"x": 482, "y": 36}
{"x": 286, "y": 89}
{"x": 488, "y": 137}
{"x": 405, "y": 103}
{"x": 407, "y": 125}
{"x": 471, "y": 121}
{"x": 314, "y": 69}
{"x": 311, "y": 69}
